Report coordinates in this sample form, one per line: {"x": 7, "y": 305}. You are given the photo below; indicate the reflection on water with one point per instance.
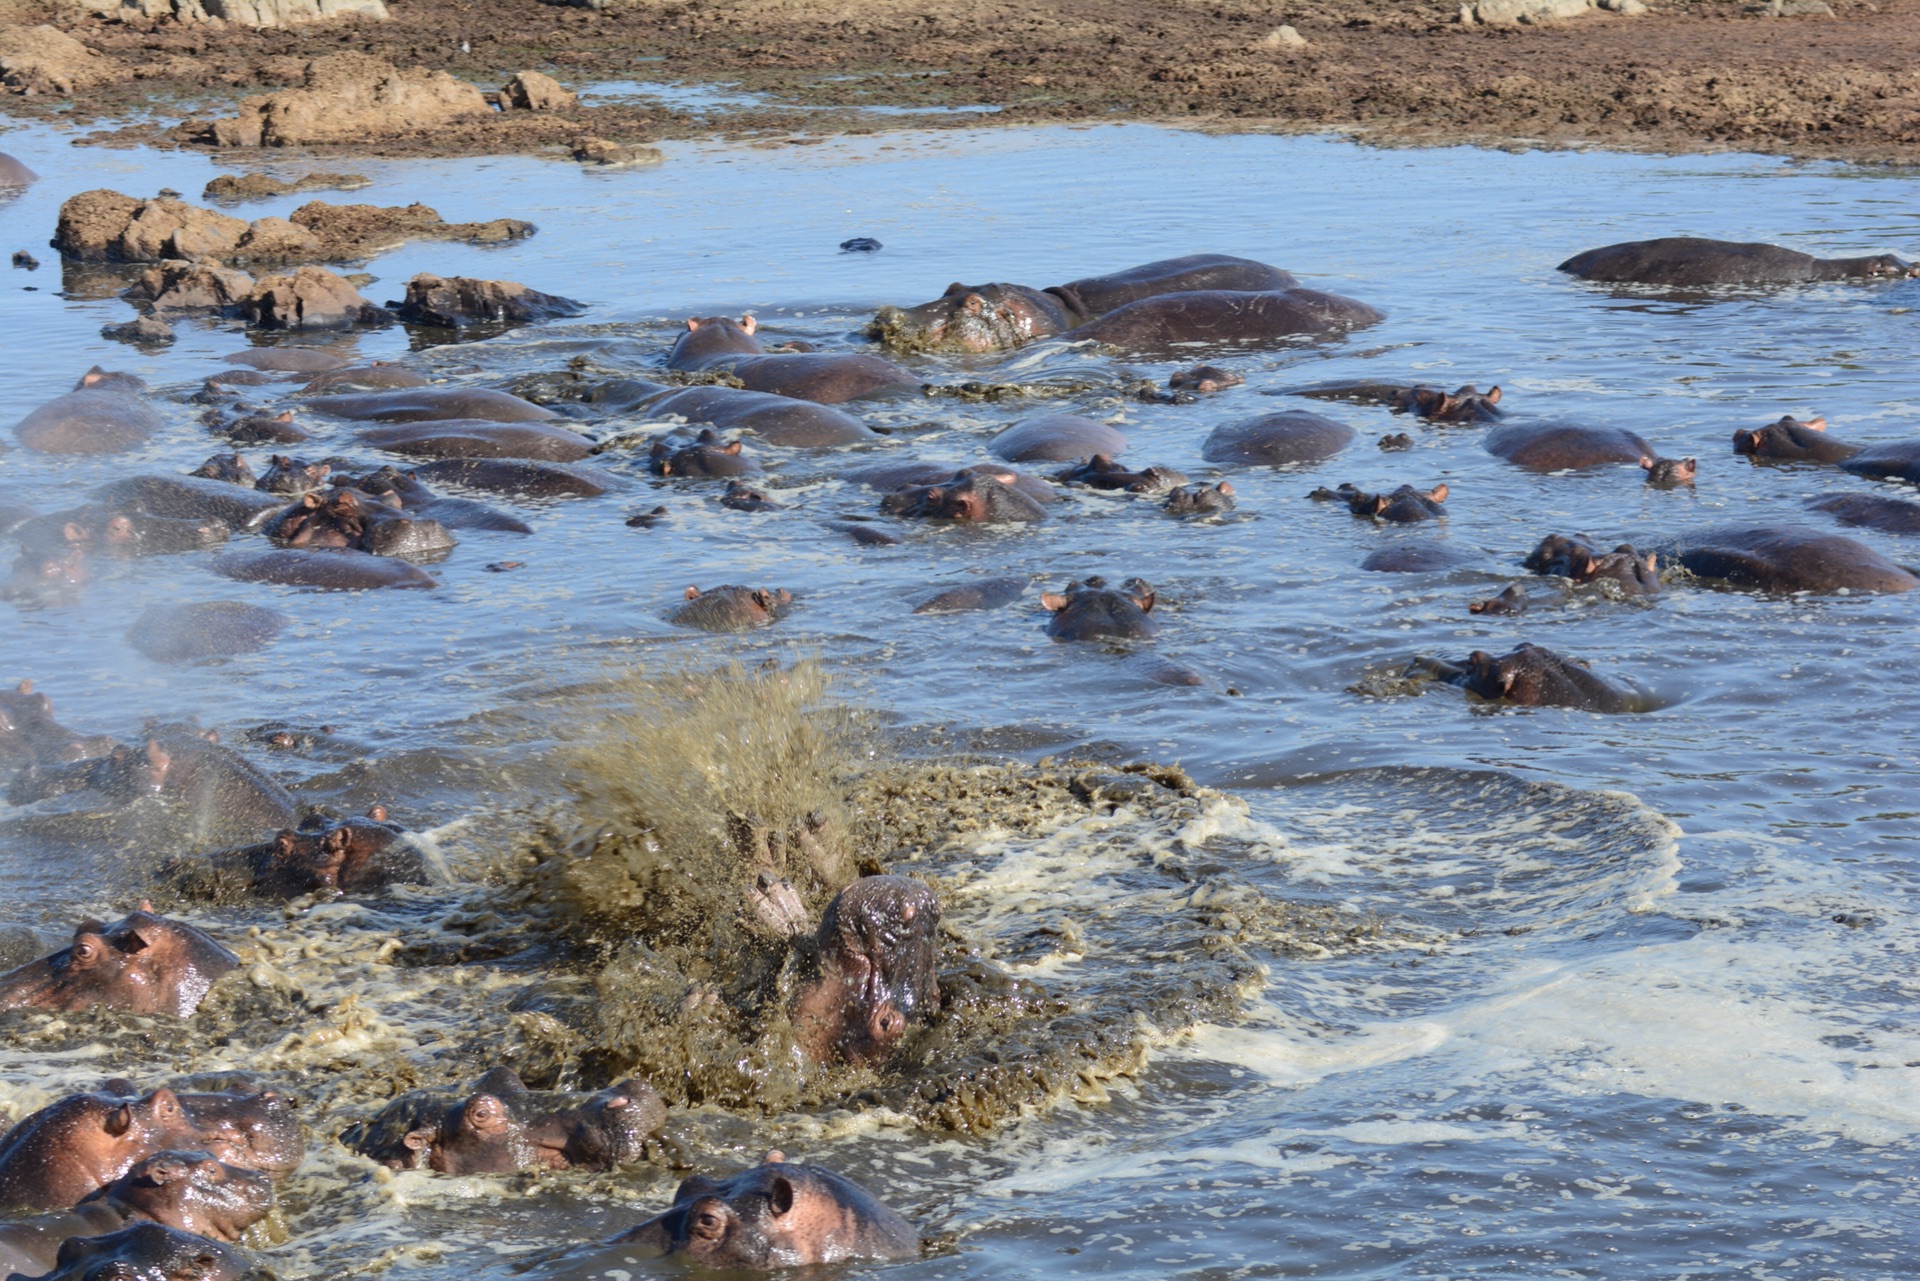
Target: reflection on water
{"x": 1664, "y": 1028}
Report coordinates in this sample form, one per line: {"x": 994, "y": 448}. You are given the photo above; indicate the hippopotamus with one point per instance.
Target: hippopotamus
{"x": 72, "y": 1148}
{"x": 1670, "y": 473}
{"x": 1101, "y": 472}
{"x": 1466, "y": 404}
{"x": 1514, "y": 600}
{"x": 241, "y": 507}
{"x": 332, "y": 568}
{"x": 144, "y": 964}
{"x": 180, "y": 763}
{"x": 46, "y": 575}
{"x": 199, "y": 630}
{"x": 1205, "y": 379}
{"x": 30, "y": 736}
{"x": 1413, "y": 558}
{"x": 1236, "y": 319}
{"x": 776, "y": 1215}
{"x": 287, "y": 360}
{"x": 259, "y": 429}
{"x": 187, "y": 1191}
{"x": 407, "y": 492}
{"x": 1565, "y": 446}
{"x": 1890, "y": 515}
{"x": 887, "y": 477}
{"x": 98, "y": 418}
{"x": 123, "y": 531}
{"x": 1575, "y": 556}
{"x": 1200, "y": 500}
{"x": 292, "y": 477}
{"x": 350, "y": 518}
{"x": 1793, "y": 440}
{"x": 975, "y": 318}
{"x": 1691, "y": 262}
{"x": 731, "y": 609}
{"x": 1056, "y": 438}
{"x": 1530, "y": 676}
{"x": 320, "y": 856}
{"x": 1394, "y": 442}
{"x": 233, "y": 469}
{"x": 502, "y": 1127}
{"x": 1278, "y": 440}
{"x": 378, "y": 376}
{"x": 874, "y": 972}
{"x": 1091, "y": 610}
{"x": 419, "y": 404}
{"x": 148, "y": 1250}
{"x": 1789, "y": 558}
{"x": 1403, "y": 506}
{"x": 1899, "y": 460}
{"x": 828, "y": 378}
{"x": 967, "y": 496}
{"x": 702, "y": 456}
{"x": 987, "y": 593}
{"x": 778, "y": 420}
{"x": 478, "y": 438}
{"x": 515, "y": 477}
{"x": 15, "y": 174}
{"x": 742, "y": 497}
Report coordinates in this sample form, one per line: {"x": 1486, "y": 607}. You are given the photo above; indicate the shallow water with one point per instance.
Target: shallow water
{"x": 1680, "y": 1042}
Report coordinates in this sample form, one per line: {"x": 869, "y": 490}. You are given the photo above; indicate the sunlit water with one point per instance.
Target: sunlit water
{"x": 1680, "y": 1042}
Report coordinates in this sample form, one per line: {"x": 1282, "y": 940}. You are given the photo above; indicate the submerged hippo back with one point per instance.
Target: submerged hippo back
{"x": 1227, "y": 318}
{"x": 1791, "y": 559}
{"x": 1097, "y": 295}
{"x": 1690, "y": 261}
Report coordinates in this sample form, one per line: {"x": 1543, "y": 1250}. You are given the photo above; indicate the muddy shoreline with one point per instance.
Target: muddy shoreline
{"x": 1701, "y": 75}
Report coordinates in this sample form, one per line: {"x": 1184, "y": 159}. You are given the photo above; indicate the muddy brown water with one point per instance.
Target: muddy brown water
{"x": 1665, "y": 1025}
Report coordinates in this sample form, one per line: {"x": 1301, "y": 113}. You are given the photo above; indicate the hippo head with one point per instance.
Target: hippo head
{"x": 29, "y": 733}
{"x": 79, "y": 1144}
{"x": 968, "y": 318}
{"x": 148, "y": 1250}
{"x": 709, "y": 336}
{"x": 1464, "y": 405}
{"x": 485, "y": 1133}
{"x": 609, "y": 1129}
{"x": 706, "y": 455}
{"x": 970, "y": 496}
{"x": 193, "y": 1192}
{"x": 98, "y": 379}
{"x": 1783, "y": 439}
{"x": 1200, "y": 500}
{"x": 1881, "y": 265}
{"x": 333, "y": 857}
{"x": 876, "y": 971}
{"x": 1094, "y": 611}
{"x": 256, "y": 1129}
{"x": 1568, "y": 555}
{"x": 232, "y": 468}
{"x": 145, "y": 964}
{"x": 1670, "y": 473}
{"x": 294, "y": 477}
{"x": 1636, "y": 573}
{"x": 1203, "y": 378}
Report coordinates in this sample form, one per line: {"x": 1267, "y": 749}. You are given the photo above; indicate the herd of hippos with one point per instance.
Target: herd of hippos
{"x": 163, "y": 1183}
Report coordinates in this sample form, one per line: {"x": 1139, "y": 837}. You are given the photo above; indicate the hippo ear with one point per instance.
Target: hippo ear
{"x": 418, "y": 1140}
{"x": 1053, "y": 601}
{"x": 734, "y": 448}
{"x": 763, "y": 598}
{"x": 92, "y": 376}
{"x": 1439, "y": 493}
{"x": 1653, "y": 560}
{"x": 311, "y": 499}
{"x": 1224, "y": 487}
{"x": 118, "y": 1121}
{"x": 1815, "y": 424}
{"x": 1646, "y": 463}
{"x": 693, "y": 593}
{"x": 286, "y": 416}
{"x": 780, "y": 1195}
{"x": 1493, "y": 395}
{"x": 692, "y": 324}
{"x": 775, "y": 1157}
{"x": 378, "y": 813}
{"x": 24, "y": 687}
{"x": 749, "y": 324}
{"x": 1753, "y": 441}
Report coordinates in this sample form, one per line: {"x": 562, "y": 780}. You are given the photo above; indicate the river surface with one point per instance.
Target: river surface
{"x": 1673, "y": 1033}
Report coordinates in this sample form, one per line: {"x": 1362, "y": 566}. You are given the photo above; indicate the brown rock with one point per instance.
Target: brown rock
{"x": 46, "y": 60}
{"x": 90, "y": 224}
{"x": 459, "y": 301}
{"x": 532, "y": 91}
{"x": 310, "y": 298}
{"x": 277, "y": 240}
{"x": 259, "y": 186}
{"x": 162, "y": 229}
{"x": 191, "y": 286}
{"x": 348, "y": 97}
{"x": 144, "y": 329}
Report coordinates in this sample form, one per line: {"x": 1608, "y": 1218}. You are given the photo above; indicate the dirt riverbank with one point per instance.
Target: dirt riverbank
{"x": 1696, "y": 75}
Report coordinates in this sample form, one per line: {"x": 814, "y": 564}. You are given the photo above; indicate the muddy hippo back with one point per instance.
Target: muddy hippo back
{"x": 775, "y": 1215}
{"x": 1688, "y": 261}
{"x": 1226, "y": 318}
{"x": 1097, "y": 295}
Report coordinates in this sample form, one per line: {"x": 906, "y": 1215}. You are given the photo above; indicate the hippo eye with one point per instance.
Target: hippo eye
{"x": 85, "y": 954}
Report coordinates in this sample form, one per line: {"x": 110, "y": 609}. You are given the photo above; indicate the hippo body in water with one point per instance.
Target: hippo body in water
{"x": 731, "y": 608}
{"x": 828, "y": 378}
{"x": 966, "y": 496}
{"x": 30, "y": 736}
{"x": 1529, "y": 676}
{"x": 333, "y": 569}
{"x": 1101, "y": 472}
{"x": 874, "y": 974}
{"x": 1093, "y": 611}
{"x": 704, "y": 456}
{"x": 1774, "y": 558}
{"x": 241, "y": 507}
{"x": 1899, "y": 460}
{"x": 149, "y": 1252}
{"x": 998, "y": 317}
{"x": 1690, "y": 262}
{"x": 479, "y": 438}
{"x": 1565, "y": 446}
{"x": 1795, "y": 441}
{"x": 1404, "y": 506}
{"x": 776, "y": 1215}
{"x": 778, "y": 420}
{"x": 342, "y": 517}
{"x": 360, "y": 855}
{"x": 100, "y": 416}
{"x": 415, "y": 497}
{"x": 1199, "y": 500}
{"x": 1890, "y": 515}
{"x": 421, "y": 404}
{"x": 502, "y": 1127}
{"x": 1056, "y": 438}
{"x": 187, "y": 1191}
{"x": 144, "y": 964}
{"x": 1226, "y": 319}
{"x": 14, "y": 174}
{"x": 1576, "y": 557}
{"x": 1277, "y": 440}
